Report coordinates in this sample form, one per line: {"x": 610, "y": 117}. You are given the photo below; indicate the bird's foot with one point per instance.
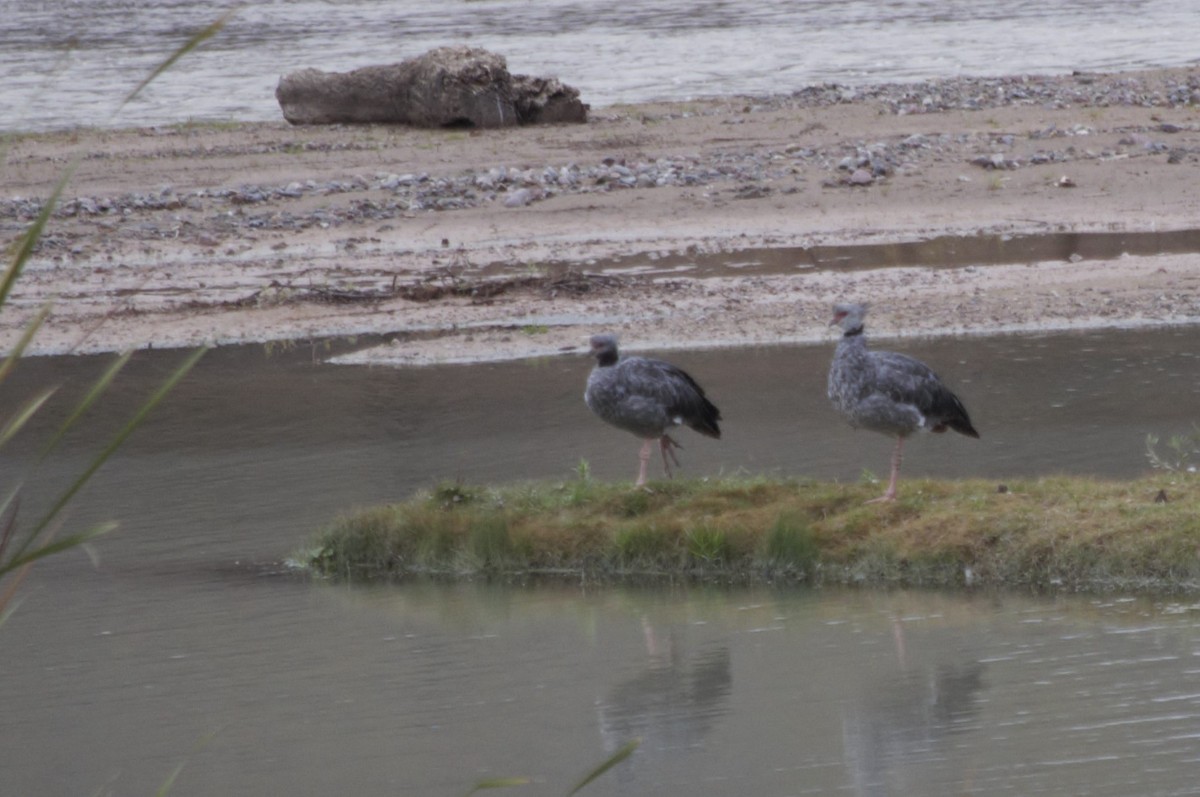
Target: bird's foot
{"x": 883, "y": 499}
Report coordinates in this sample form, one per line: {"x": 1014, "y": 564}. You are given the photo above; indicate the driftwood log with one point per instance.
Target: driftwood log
{"x": 445, "y": 87}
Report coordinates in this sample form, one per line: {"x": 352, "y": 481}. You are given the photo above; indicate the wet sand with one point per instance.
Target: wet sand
{"x": 473, "y": 245}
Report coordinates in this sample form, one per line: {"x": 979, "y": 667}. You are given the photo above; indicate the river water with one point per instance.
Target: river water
{"x": 70, "y": 62}
{"x": 183, "y": 641}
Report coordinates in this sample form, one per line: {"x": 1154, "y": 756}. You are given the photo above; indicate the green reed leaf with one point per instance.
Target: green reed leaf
{"x": 15, "y": 422}
{"x": 97, "y": 389}
{"x": 608, "y": 763}
{"x": 25, "y": 247}
{"x": 191, "y": 44}
{"x": 31, "y": 329}
{"x": 119, "y": 438}
{"x": 498, "y": 783}
{"x": 22, "y": 558}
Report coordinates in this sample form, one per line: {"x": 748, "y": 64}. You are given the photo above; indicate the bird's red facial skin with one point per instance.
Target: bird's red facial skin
{"x": 837, "y": 318}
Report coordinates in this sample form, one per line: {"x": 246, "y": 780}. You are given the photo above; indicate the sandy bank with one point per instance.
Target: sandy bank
{"x": 675, "y": 225}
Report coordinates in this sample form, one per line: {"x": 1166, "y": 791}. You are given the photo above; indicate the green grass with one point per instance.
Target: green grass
{"x": 1057, "y": 531}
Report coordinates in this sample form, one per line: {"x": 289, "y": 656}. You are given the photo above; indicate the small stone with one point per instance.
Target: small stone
{"x": 861, "y": 177}
{"x": 1136, "y": 140}
{"x": 520, "y": 198}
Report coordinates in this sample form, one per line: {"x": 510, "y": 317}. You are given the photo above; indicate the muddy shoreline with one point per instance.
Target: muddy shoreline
{"x": 675, "y": 225}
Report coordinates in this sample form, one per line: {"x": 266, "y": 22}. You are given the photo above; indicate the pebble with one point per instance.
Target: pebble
{"x": 861, "y": 177}
{"x": 520, "y": 198}
{"x": 977, "y": 93}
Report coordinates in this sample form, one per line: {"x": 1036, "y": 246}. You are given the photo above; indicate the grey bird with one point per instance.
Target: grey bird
{"x": 647, "y": 397}
{"x": 888, "y": 392}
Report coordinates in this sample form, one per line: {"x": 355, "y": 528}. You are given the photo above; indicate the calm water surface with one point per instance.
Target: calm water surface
{"x": 181, "y": 641}
{"x": 70, "y": 62}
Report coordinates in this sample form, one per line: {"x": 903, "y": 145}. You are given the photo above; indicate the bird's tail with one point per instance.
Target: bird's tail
{"x": 950, "y": 413}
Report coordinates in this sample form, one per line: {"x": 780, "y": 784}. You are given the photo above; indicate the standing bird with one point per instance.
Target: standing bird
{"x": 888, "y": 392}
{"x": 647, "y": 397}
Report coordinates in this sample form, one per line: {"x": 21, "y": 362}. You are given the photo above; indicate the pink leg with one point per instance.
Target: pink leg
{"x": 643, "y": 457}
{"x": 897, "y": 458}
{"x": 668, "y": 446}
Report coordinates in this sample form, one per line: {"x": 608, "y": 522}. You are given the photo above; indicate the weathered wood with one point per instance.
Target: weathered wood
{"x": 445, "y": 87}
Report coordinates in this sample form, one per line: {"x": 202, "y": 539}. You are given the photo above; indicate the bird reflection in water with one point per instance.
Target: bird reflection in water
{"x": 905, "y": 721}
{"x": 671, "y": 704}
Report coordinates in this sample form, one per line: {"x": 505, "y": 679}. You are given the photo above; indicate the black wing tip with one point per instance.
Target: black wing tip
{"x": 704, "y": 418}
{"x": 710, "y": 420}
{"x": 707, "y": 425}
{"x": 966, "y": 429}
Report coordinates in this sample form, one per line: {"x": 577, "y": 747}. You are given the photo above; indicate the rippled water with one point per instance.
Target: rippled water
{"x": 69, "y": 62}
{"x": 267, "y": 687}
{"x": 182, "y": 643}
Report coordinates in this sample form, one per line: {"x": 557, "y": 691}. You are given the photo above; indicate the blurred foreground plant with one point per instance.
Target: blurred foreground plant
{"x": 1181, "y": 454}
{"x": 23, "y": 544}
{"x": 620, "y": 755}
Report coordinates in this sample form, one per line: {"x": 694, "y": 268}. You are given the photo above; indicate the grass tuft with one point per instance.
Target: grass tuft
{"x": 645, "y": 547}
{"x": 791, "y": 544}
{"x": 488, "y": 542}
{"x": 707, "y": 545}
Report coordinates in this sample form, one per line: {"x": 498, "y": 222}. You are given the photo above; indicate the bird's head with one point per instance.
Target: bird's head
{"x": 848, "y": 316}
{"x": 604, "y": 348}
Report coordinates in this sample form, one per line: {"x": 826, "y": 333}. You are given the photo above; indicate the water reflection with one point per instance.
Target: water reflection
{"x": 429, "y": 688}
{"x": 899, "y": 723}
{"x": 672, "y": 703}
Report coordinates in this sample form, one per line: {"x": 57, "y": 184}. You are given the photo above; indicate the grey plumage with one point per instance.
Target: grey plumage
{"x": 647, "y": 397}
{"x": 888, "y": 392}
